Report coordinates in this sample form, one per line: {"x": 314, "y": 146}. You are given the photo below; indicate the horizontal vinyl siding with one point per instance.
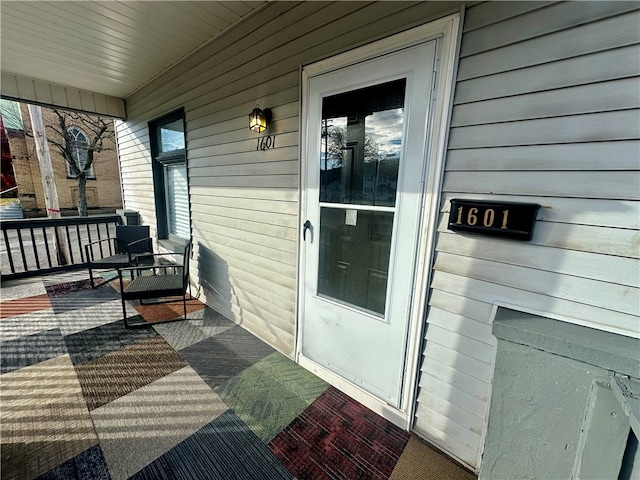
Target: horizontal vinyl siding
{"x": 244, "y": 202}
{"x": 546, "y": 110}
{"x": 134, "y": 154}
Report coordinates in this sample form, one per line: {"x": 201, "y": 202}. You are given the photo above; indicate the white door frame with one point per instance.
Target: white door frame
{"x": 445, "y": 32}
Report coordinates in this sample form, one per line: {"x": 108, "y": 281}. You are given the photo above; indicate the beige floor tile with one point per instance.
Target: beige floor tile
{"x": 419, "y": 461}
{"x": 139, "y": 427}
{"x": 45, "y": 420}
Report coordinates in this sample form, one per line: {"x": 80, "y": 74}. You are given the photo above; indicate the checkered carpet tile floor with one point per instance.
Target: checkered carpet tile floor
{"x": 81, "y": 397}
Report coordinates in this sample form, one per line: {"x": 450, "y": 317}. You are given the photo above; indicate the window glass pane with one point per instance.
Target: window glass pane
{"x": 79, "y": 151}
{"x": 354, "y": 257}
{"x": 177, "y": 199}
{"x": 171, "y": 136}
{"x": 361, "y": 145}
{"x": 11, "y": 116}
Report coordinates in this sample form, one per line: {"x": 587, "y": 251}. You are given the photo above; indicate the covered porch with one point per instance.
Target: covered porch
{"x": 84, "y": 398}
{"x": 489, "y": 103}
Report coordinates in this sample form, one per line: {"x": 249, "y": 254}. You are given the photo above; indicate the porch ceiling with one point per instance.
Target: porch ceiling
{"x": 110, "y": 48}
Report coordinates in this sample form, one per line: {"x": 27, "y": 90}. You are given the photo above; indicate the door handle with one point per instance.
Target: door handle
{"x": 306, "y": 226}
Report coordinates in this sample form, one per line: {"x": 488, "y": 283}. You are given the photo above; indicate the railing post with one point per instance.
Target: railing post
{"x": 24, "y": 258}
{"x": 35, "y": 249}
{"x": 46, "y": 246}
{"x": 9, "y": 255}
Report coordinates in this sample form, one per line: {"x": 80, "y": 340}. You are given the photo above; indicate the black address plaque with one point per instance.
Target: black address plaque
{"x": 497, "y": 219}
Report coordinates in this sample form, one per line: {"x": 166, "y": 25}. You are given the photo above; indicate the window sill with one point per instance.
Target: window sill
{"x": 172, "y": 245}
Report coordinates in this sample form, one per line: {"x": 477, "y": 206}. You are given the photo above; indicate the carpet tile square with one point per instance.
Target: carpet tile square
{"x": 123, "y": 371}
{"x": 27, "y": 324}
{"x": 420, "y": 461}
{"x": 219, "y": 358}
{"x": 88, "y": 465}
{"x": 62, "y": 289}
{"x": 168, "y": 311}
{"x": 88, "y": 345}
{"x": 87, "y": 318}
{"x": 223, "y": 449}
{"x": 139, "y": 427}
{"x": 44, "y": 418}
{"x": 20, "y": 306}
{"x": 107, "y": 275}
{"x": 83, "y": 299}
{"x": 338, "y": 438}
{"x": 30, "y": 349}
{"x": 201, "y": 324}
{"x": 22, "y": 288}
{"x": 65, "y": 277}
{"x": 270, "y": 394}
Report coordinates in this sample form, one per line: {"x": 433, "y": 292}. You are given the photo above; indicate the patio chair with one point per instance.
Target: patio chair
{"x": 120, "y": 251}
{"x": 157, "y": 281}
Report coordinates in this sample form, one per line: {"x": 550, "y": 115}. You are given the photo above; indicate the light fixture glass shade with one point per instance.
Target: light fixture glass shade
{"x": 257, "y": 120}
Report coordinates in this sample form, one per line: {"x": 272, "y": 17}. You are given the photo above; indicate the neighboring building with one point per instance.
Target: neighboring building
{"x": 6, "y": 172}
{"x": 103, "y": 186}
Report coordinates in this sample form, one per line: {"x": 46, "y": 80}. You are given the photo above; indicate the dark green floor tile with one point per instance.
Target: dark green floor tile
{"x": 270, "y": 394}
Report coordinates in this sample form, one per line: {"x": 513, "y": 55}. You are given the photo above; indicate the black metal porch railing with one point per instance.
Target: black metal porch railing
{"x": 44, "y": 245}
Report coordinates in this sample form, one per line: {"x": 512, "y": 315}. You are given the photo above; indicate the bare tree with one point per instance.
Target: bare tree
{"x": 78, "y": 149}
{"x": 335, "y": 138}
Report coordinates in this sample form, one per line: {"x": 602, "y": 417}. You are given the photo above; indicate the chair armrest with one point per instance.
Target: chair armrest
{"x": 99, "y": 241}
{"x": 154, "y": 255}
{"x": 136, "y": 242}
{"x": 89, "y": 251}
{"x": 148, "y": 267}
{"x": 137, "y": 271}
{"x": 136, "y": 245}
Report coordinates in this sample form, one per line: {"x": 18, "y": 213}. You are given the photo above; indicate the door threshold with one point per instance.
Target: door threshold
{"x": 373, "y": 403}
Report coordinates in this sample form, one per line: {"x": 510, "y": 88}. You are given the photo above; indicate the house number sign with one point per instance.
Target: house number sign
{"x": 497, "y": 219}
{"x": 265, "y": 143}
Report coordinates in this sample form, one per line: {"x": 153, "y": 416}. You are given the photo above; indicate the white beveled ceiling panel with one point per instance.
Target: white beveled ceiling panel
{"x": 111, "y": 48}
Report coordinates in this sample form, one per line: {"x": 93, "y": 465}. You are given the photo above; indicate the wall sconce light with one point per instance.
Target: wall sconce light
{"x": 259, "y": 119}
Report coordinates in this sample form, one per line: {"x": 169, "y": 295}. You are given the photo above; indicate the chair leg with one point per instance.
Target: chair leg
{"x": 184, "y": 304}
{"x": 91, "y": 276}
{"x": 124, "y": 305}
{"x": 124, "y": 314}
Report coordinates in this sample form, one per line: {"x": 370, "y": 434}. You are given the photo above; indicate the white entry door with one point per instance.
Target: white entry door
{"x": 366, "y": 128}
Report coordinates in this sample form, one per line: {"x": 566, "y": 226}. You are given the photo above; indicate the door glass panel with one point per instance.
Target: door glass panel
{"x": 361, "y": 144}
{"x": 354, "y": 257}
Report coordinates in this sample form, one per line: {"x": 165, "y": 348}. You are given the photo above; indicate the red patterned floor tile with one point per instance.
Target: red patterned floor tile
{"x": 338, "y": 438}
{"x": 168, "y": 311}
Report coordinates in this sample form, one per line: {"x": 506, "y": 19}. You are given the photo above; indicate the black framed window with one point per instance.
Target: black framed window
{"x": 170, "y": 180}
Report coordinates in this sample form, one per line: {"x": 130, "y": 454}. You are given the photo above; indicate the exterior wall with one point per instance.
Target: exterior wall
{"x": 244, "y": 203}
{"x": 545, "y": 111}
{"x": 103, "y": 192}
